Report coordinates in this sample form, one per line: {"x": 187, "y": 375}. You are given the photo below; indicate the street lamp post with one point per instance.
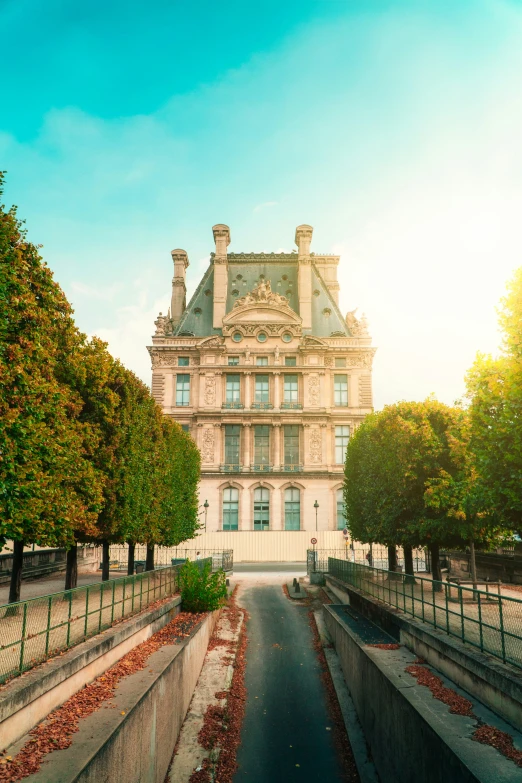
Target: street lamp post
{"x": 316, "y": 506}
{"x": 205, "y": 506}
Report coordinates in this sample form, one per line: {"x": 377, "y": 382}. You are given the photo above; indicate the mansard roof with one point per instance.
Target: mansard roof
{"x": 245, "y": 270}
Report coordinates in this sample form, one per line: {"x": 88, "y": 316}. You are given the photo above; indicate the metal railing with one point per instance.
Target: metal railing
{"x": 488, "y": 620}
{"x": 164, "y": 555}
{"x": 317, "y": 559}
{"x": 34, "y": 630}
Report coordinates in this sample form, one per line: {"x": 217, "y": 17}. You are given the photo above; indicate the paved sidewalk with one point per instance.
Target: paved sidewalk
{"x": 287, "y": 732}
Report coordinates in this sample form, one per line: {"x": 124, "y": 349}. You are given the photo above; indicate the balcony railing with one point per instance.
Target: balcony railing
{"x": 231, "y": 467}
{"x": 262, "y": 406}
{"x": 292, "y": 468}
{"x": 291, "y": 406}
{"x": 232, "y": 406}
{"x": 261, "y": 468}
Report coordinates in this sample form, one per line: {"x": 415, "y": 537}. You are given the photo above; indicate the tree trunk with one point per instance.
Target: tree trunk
{"x": 392, "y": 558}
{"x": 149, "y": 563}
{"x": 71, "y": 568}
{"x": 408, "y": 559}
{"x": 408, "y": 564}
{"x": 105, "y": 561}
{"x": 130, "y": 559}
{"x": 436, "y": 573}
{"x": 16, "y": 574}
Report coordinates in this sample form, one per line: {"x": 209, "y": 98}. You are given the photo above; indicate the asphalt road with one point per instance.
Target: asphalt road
{"x": 285, "y": 735}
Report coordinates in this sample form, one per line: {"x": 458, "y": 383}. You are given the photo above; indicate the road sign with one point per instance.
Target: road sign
{"x": 313, "y": 541}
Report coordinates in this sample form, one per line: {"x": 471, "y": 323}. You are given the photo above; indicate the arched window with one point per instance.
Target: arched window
{"x": 261, "y": 509}
{"x": 292, "y": 509}
{"x": 230, "y": 508}
{"x": 341, "y": 516}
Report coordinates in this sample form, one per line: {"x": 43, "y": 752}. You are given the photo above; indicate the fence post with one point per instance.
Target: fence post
{"x": 447, "y": 608}
{"x": 49, "y": 610}
{"x": 463, "y": 634}
{"x": 69, "y": 619}
{"x": 501, "y": 617}
{"x": 112, "y": 607}
{"x": 422, "y": 598}
{"x": 480, "y": 622}
{"x": 86, "y": 624}
{"x": 22, "y": 641}
{"x": 101, "y": 607}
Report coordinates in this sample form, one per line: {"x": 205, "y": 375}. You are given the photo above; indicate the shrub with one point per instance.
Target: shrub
{"x": 201, "y": 590}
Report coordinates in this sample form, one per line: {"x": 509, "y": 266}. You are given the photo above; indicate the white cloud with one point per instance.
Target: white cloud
{"x": 264, "y": 205}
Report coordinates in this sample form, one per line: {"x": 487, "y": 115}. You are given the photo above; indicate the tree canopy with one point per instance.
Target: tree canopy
{"x": 85, "y": 453}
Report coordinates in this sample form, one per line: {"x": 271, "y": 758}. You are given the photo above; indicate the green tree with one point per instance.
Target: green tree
{"x": 494, "y": 387}
{"x": 410, "y": 480}
{"x": 48, "y": 486}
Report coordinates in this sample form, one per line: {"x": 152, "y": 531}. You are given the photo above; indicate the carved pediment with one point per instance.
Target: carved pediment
{"x": 261, "y": 313}
{"x": 261, "y": 306}
{"x": 313, "y": 342}
{"x": 212, "y": 342}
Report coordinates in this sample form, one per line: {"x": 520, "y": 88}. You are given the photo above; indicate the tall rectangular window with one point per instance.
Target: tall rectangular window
{"x": 342, "y": 435}
{"x": 183, "y": 390}
{"x": 232, "y": 388}
{"x": 261, "y": 509}
{"x": 341, "y": 390}
{"x": 183, "y": 361}
{"x": 291, "y": 441}
{"x": 292, "y": 509}
{"x": 341, "y": 518}
{"x": 230, "y": 508}
{"x": 290, "y": 388}
{"x": 261, "y": 393}
{"x": 261, "y": 444}
{"x": 232, "y": 438}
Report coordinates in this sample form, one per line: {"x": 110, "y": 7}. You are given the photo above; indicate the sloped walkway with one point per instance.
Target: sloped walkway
{"x": 287, "y": 732}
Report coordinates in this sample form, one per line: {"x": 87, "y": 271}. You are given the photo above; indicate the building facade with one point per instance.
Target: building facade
{"x": 270, "y": 380}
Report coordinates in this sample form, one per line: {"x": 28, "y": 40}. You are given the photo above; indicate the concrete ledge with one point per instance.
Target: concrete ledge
{"x": 135, "y": 747}
{"x": 496, "y": 684}
{"x": 412, "y": 736}
{"x": 26, "y": 700}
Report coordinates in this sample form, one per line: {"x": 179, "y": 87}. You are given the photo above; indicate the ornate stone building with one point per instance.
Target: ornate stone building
{"x": 270, "y": 380}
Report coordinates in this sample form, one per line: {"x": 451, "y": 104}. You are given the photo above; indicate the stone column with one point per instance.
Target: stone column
{"x": 248, "y": 379}
{"x": 276, "y": 429}
{"x": 247, "y": 429}
{"x": 277, "y": 390}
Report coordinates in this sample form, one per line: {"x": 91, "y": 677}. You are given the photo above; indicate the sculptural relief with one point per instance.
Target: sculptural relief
{"x": 313, "y": 389}
{"x": 262, "y": 292}
{"x": 207, "y": 446}
{"x": 316, "y": 446}
{"x": 210, "y": 390}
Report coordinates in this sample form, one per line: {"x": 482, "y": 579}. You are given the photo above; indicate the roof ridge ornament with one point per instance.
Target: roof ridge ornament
{"x": 262, "y": 292}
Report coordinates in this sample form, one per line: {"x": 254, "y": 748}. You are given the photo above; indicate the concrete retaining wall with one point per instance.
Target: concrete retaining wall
{"x": 497, "y": 685}
{"x": 411, "y": 736}
{"x": 28, "y": 699}
{"x": 135, "y": 747}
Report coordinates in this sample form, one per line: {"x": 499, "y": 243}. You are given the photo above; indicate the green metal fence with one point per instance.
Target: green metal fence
{"x": 33, "y": 630}
{"x": 484, "y": 618}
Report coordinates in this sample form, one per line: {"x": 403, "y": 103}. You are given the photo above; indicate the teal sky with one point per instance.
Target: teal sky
{"x": 393, "y": 128}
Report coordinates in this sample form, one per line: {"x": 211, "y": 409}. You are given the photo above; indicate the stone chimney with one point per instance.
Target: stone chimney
{"x": 222, "y": 240}
{"x": 179, "y": 288}
{"x": 303, "y": 237}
